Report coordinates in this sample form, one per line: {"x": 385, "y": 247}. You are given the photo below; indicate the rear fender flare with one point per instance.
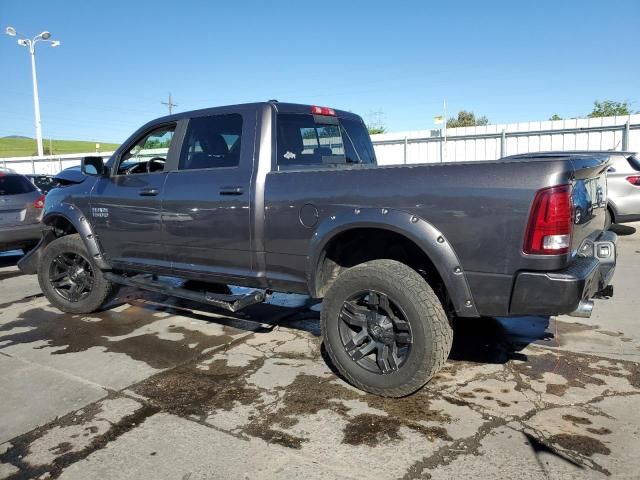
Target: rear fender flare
{"x": 427, "y": 237}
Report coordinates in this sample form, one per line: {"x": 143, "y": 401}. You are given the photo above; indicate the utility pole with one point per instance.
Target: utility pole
{"x": 170, "y": 104}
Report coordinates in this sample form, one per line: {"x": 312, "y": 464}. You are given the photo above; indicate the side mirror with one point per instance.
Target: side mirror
{"x": 92, "y": 166}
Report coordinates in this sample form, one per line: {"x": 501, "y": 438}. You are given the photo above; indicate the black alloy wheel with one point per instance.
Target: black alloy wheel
{"x": 375, "y": 332}
{"x": 71, "y": 276}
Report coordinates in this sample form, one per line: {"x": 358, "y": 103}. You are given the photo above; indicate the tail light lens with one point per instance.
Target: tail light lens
{"x": 550, "y": 222}
{"x": 634, "y": 180}
{"x": 40, "y": 202}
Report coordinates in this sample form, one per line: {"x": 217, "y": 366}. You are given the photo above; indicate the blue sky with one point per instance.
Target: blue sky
{"x": 511, "y": 61}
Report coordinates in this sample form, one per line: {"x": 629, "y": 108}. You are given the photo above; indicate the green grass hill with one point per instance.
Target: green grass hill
{"x": 15, "y": 146}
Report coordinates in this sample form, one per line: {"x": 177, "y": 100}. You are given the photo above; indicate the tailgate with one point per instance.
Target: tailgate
{"x": 12, "y": 210}
{"x": 19, "y": 209}
{"x": 588, "y": 197}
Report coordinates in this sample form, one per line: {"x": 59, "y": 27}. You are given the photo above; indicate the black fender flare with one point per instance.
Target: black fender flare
{"x": 427, "y": 237}
{"x": 29, "y": 263}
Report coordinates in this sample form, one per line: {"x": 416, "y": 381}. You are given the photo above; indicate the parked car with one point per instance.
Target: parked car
{"x": 623, "y": 181}
{"x": 289, "y": 198}
{"x": 21, "y": 206}
{"x": 43, "y": 182}
{"x": 623, "y": 184}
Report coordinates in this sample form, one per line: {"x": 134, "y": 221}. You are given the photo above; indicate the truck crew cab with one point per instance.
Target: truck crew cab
{"x": 285, "y": 197}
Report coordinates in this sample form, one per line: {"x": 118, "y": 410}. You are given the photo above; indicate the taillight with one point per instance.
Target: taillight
{"x": 40, "y": 202}
{"x": 323, "y": 111}
{"x": 550, "y": 222}
{"x": 634, "y": 180}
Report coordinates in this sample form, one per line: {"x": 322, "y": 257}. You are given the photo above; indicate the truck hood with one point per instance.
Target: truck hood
{"x": 69, "y": 176}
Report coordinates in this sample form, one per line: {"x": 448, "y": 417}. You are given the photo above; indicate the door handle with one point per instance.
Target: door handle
{"x": 149, "y": 192}
{"x": 231, "y": 191}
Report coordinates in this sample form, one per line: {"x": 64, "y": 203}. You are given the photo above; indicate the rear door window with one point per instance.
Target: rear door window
{"x": 15, "y": 185}
{"x": 212, "y": 142}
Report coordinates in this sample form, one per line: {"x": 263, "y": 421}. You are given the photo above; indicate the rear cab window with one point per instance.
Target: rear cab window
{"x": 306, "y": 140}
{"x": 15, "y": 185}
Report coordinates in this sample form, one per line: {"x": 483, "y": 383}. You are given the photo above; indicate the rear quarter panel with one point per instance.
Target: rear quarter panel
{"x": 480, "y": 207}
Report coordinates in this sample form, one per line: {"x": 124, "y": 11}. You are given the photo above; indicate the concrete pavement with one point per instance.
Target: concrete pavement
{"x": 158, "y": 388}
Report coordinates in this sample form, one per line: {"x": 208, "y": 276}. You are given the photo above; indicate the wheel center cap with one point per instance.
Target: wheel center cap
{"x": 380, "y": 328}
{"x": 77, "y": 273}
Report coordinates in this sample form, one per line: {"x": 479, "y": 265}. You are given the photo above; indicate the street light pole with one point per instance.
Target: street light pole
{"x": 36, "y": 100}
{"x": 31, "y": 44}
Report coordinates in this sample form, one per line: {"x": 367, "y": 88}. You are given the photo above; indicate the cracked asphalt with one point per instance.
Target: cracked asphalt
{"x": 156, "y": 387}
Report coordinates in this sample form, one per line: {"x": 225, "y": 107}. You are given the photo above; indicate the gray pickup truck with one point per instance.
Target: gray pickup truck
{"x": 284, "y": 197}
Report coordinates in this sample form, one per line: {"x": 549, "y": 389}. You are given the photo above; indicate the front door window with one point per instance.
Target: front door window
{"x": 149, "y": 153}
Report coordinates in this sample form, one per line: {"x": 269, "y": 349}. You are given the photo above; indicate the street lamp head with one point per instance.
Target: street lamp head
{"x": 23, "y": 42}
{"x": 55, "y": 43}
{"x": 10, "y": 31}
{"x": 45, "y": 35}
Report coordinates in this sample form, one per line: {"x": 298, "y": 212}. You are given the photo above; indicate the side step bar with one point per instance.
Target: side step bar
{"x": 232, "y": 303}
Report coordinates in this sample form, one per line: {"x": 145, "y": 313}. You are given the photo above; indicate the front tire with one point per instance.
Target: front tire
{"x": 384, "y": 328}
{"x": 70, "y": 279}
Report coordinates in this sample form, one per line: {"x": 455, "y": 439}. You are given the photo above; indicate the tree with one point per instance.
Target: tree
{"x": 609, "y": 108}
{"x": 555, "y": 116}
{"x": 467, "y": 119}
{"x": 376, "y": 130}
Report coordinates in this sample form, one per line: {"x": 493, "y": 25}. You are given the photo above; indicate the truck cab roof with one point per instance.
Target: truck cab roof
{"x": 280, "y": 107}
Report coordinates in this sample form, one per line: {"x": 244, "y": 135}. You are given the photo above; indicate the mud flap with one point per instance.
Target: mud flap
{"x": 29, "y": 263}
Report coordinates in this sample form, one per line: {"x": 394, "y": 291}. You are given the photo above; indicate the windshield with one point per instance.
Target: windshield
{"x": 315, "y": 140}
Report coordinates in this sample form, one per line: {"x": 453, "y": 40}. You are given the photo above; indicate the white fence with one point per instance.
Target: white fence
{"x": 495, "y": 141}
{"x": 463, "y": 144}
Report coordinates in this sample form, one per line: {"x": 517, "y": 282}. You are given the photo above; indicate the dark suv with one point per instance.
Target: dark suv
{"x": 21, "y": 206}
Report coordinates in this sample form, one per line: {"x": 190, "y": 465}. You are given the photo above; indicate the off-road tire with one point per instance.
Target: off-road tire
{"x": 432, "y": 333}
{"x": 102, "y": 291}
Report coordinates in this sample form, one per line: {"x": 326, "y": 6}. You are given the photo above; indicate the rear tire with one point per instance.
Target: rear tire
{"x": 70, "y": 279}
{"x": 384, "y": 314}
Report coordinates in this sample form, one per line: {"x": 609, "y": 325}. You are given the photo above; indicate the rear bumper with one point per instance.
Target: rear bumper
{"x": 561, "y": 292}
{"x": 20, "y": 235}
